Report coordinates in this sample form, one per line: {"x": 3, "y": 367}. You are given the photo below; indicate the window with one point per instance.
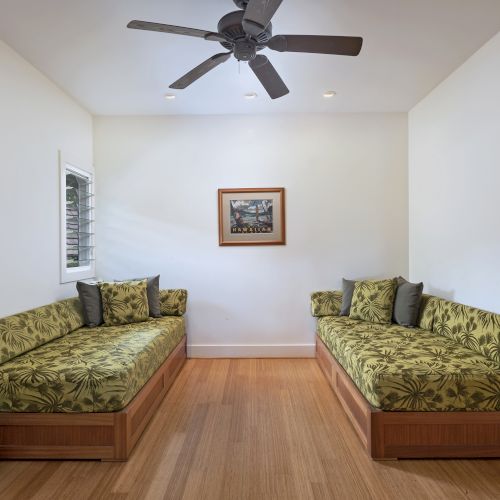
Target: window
{"x": 77, "y": 224}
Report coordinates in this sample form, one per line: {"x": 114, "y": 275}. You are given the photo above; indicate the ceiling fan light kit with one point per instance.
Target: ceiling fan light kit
{"x": 246, "y": 32}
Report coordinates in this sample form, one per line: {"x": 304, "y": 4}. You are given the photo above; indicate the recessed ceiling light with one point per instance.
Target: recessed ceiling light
{"x": 170, "y": 97}
{"x": 250, "y": 95}
{"x": 329, "y": 94}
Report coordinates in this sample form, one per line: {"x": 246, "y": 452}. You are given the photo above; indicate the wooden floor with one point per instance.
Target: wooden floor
{"x": 251, "y": 429}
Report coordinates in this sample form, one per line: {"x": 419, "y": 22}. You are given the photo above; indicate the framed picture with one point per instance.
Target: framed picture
{"x": 252, "y": 216}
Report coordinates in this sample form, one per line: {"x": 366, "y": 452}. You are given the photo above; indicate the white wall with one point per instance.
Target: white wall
{"x": 454, "y": 171}
{"x": 36, "y": 120}
{"x": 346, "y": 186}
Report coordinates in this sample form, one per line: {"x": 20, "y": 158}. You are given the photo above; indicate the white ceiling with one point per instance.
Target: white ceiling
{"x": 410, "y": 46}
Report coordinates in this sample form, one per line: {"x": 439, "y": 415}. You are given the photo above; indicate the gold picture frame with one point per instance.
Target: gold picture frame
{"x": 252, "y": 216}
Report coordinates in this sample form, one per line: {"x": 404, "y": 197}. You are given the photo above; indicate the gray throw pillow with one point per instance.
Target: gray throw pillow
{"x": 153, "y": 291}
{"x": 407, "y": 303}
{"x": 90, "y": 298}
{"x": 347, "y": 291}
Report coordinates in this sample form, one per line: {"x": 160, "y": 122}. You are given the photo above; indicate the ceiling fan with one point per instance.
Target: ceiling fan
{"x": 247, "y": 31}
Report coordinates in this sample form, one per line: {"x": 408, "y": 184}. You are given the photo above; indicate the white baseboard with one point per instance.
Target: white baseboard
{"x": 252, "y": 351}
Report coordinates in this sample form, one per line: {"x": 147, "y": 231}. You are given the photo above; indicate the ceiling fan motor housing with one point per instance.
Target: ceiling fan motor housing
{"x": 244, "y": 46}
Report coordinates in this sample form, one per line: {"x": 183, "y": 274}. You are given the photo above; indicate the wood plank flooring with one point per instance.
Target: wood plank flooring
{"x": 250, "y": 429}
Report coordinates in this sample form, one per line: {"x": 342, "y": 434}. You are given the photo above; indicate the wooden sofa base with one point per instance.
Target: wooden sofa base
{"x": 391, "y": 435}
{"x": 104, "y": 436}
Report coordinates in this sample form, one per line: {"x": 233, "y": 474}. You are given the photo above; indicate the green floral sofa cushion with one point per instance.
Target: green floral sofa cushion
{"x": 90, "y": 370}
{"x": 428, "y": 305}
{"x": 403, "y": 369}
{"x": 326, "y": 303}
{"x": 373, "y": 301}
{"x": 25, "y": 331}
{"x": 173, "y": 302}
{"x": 124, "y": 302}
{"x": 476, "y": 329}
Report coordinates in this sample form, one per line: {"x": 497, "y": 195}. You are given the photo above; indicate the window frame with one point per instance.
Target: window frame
{"x": 72, "y": 274}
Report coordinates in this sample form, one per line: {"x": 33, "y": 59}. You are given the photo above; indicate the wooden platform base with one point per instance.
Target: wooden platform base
{"x": 391, "y": 435}
{"x": 105, "y": 436}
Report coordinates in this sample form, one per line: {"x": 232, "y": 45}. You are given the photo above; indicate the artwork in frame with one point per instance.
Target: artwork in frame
{"x": 252, "y": 216}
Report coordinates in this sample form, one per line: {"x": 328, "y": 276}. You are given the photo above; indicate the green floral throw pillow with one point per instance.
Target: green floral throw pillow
{"x": 124, "y": 302}
{"x": 373, "y": 301}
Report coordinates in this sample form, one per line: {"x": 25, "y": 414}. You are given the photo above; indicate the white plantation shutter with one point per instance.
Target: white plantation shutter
{"x": 77, "y": 224}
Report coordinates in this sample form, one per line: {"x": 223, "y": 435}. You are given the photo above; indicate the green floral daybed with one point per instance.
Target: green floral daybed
{"x": 430, "y": 391}
{"x": 70, "y": 391}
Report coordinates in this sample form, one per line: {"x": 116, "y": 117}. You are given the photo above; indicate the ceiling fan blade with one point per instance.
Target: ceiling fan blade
{"x": 338, "y": 45}
{"x": 258, "y": 15}
{"x": 176, "y": 30}
{"x": 200, "y": 70}
{"x": 269, "y": 77}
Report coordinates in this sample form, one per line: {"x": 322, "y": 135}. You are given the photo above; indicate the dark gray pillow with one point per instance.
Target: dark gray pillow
{"x": 90, "y": 298}
{"x": 407, "y": 303}
{"x": 347, "y": 291}
{"x": 153, "y": 291}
